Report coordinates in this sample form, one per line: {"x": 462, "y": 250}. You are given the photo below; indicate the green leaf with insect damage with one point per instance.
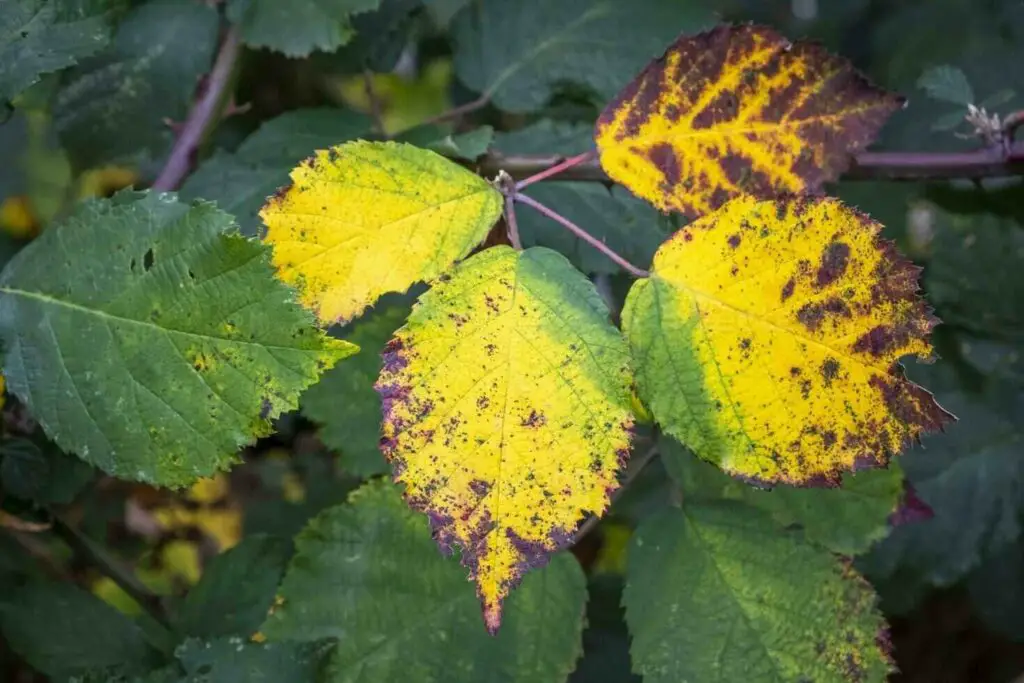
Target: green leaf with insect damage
{"x": 160, "y": 341}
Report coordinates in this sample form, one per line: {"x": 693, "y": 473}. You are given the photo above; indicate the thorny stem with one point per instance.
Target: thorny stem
{"x": 632, "y": 472}
{"x": 96, "y": 555}
{"x": 987, "y": 162}
{"x": 581, "y": 233}
{"x": 203, "y": 116}
{"x": 556, "y": 169}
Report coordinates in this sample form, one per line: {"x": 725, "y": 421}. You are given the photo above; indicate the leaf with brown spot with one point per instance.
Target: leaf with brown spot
{"x": 507, "y": 411}
{"x": 776, "y": 357}
{"x": 738, "y": 110}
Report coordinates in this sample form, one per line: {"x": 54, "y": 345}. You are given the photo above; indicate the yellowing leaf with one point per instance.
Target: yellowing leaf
{"x": 768, "y": 336}
{"x": 366, "y": 218}
{"x": 738, "y": 110}
{"x": 507, "y": 411}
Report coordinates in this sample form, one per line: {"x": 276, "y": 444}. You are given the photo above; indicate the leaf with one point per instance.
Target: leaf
{"x": 236, "y": 590}
{"x": 42, "y": 36}
{"x": 507, "y": 411}
{"x": 366, "y": 218}
{"x": 768, "y": 336}
{"x": 159, "y": 343}
{"x": 113, "y": 107}
{"x": 23, "y": 468}
{"x": 351, "y": 579}
{"x": 381, "y": 36}
{"x": 631, "y": 227}
{"x": 546, "y": 137}
{"x": 716, "y": 592}
{"x": 948, "y": 84}
{"x": 846, "y": 520}
{"x": 299, "y": 27}
{"x": 60, "y": 630}
{"x": 468, "y": 145}
{"x": 230, "y": 660}
{"x": 738, "y": 110}
{"x": 344, "y": 401}
{"x": 241, "y": 182}
{"x": 518, "y": 54}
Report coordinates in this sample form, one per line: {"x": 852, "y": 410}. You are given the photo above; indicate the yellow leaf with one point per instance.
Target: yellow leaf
{"x": 738, "y": 110}
{"x": 768, "y": 336}
{"x": 366, "y": 218}
{"x": 507, "y": 411}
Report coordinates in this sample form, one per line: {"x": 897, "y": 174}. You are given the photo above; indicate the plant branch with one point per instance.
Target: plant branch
{"x": 581, "y": 233}
{"x": 636, "y": 466}
{"x": 461, "y": 110}
{"x": 556, "y": 169}
{"x": 204, "y": 115}
{"x": 376, "y": 111}
{"x": 96, "y": 555}
{"x": 988, "y": 162}
{"x": 510, "y": 222}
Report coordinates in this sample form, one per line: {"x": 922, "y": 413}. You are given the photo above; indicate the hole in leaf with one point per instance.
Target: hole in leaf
{"x": 132, "y": 265}
{"x": 147, "y": 260}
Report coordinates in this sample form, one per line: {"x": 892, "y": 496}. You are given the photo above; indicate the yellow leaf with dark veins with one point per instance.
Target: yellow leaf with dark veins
{"x": 738, "y": 110}
{"x": 507, "y": 411}
{"x": 768, "y": 339}
{"x": 366, "y": 218}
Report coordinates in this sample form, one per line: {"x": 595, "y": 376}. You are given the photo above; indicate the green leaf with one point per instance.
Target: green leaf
{"x": 236, "y": 590}
{"x": 973, "y": 275}
{"x": 344, "y": 401}
{"x": 947, "y": 84}
{"x": 233, "y": 660}
{"x": 630, "y": 226}
{"x": 381, "y": 37}
{"x": 42, "y": 36}
{"x": 468, "y": 145}
{"x": 971, "y": 477}
{"x": 159, "y": 343}
{"x": 23, "y": 468}
{"x": 846, "y": 520}
{"x": 519, "y": 53}
{"x": 369, "y": 574}
{"x": 546, "y": 137}
{"x": 299, "y": 27}
{"x": 113, "y": 106}
{"x": 242, "y": 181}
{"x": 61, "y": 630}
{"x": 715, "y": 592}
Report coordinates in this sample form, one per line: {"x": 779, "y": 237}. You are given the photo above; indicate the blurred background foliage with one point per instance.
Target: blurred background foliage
{"x": 944, "y": 548}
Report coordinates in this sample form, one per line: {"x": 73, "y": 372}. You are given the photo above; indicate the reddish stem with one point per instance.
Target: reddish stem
{"x": 556, "y": 169}
{"x": 202, "y": 117}
{"x": 581, "y": 233}
{"x": 511, "y": 224}
{"x": 461, "y": 110}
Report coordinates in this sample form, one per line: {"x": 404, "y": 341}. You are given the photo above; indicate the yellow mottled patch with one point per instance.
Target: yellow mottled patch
{"x": 737, "y": 110}
{"x": 507, "y": 411}
{"x": 768, "y": 340}
{"x": 366, "y": 218}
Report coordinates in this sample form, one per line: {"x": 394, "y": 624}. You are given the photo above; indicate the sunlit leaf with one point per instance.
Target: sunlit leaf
{"x": 738, "y": 110}
{"x": 718, "y": 592}
{"x": 159, "y": 342}
{"x": 368, "y": 574}
{"x": 366, "y": 218}
{"x": 768, "y": 338}
{"x": 507, "y": 411}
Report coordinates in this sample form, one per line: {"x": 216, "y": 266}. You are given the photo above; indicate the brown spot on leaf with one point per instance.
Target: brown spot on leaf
{"x": 663, "y": 156}
{"x": 734, "y": 241}
{"x": 830, "y": 370}
{"x": 534, "y": 419}
{"x": 812, "y": 315}
{"x": 787, "y": 289}
{"x": 834, "y": 261}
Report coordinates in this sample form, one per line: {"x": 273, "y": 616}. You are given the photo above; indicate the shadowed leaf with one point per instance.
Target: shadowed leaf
{"x": 368, "y": 574}
{"x": 507, "y": 411}
{"x": 42, "y": 36}
{"x": 299, "y": 27}
{"x": 768, "y": 336}
{"x": 717, "y": 592}
{"x": 366, "y": 218}
{"x": 159, "y": 343}
{"x": 738, "y": 110}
